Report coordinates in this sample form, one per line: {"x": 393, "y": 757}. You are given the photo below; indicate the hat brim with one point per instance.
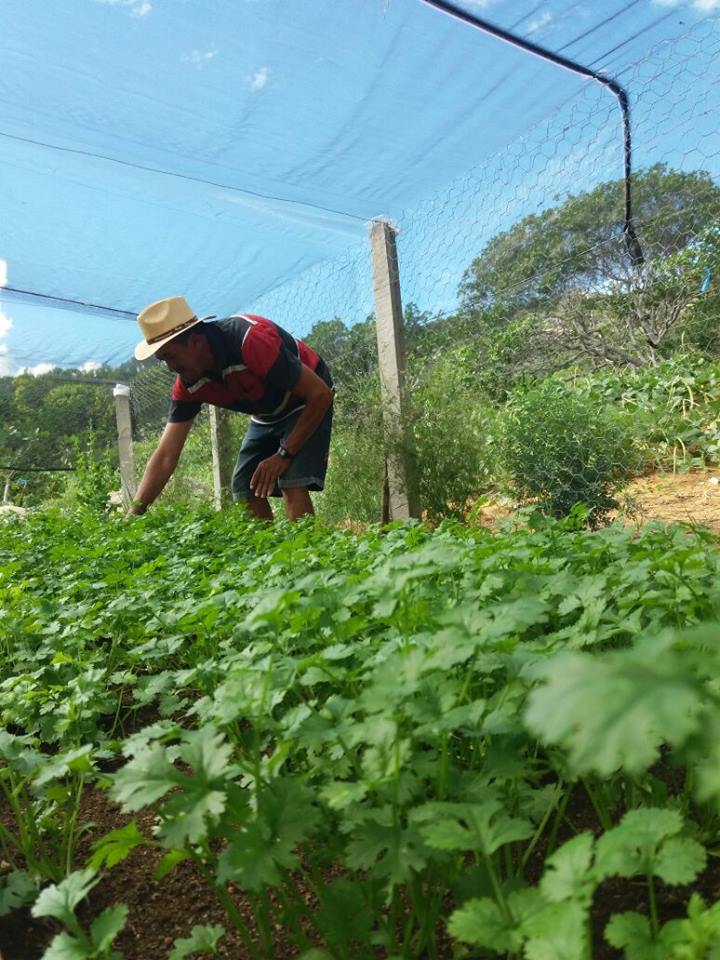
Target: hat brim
{"x": 145, "y": 350}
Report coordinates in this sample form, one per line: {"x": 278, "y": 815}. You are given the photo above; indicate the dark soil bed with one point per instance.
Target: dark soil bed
{"x": 161, "y": 911}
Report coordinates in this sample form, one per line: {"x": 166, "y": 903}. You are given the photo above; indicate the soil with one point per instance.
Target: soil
{"x": 691, "y": 498}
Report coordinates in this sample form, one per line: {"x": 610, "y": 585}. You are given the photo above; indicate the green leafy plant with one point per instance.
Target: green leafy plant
{"x": 59, "y": 901}
{"x": 560, "y": 450}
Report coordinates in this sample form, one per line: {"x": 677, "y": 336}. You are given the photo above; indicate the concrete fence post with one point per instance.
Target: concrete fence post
{"x": 222, "y": 454}
{"x": 121, "y": 394}
{"x": 391, "y": 358}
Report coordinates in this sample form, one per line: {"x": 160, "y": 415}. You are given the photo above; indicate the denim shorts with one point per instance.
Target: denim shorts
{"x": 307, "y": 468}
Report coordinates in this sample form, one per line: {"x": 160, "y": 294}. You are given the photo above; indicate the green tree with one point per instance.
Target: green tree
{"x": 577, "y": 246}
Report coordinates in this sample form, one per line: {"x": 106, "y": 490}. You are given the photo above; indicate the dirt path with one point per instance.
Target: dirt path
{"x": 681, "y": 498}
{"x": 692, "y": 498}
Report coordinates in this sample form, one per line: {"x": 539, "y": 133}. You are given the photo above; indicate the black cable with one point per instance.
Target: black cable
{"x": 632, "y": 243}
{"x": 650, "y": 26}
{"x": 597, "y": 26}
{"x": 33, "y": 294}
{"x": 181, "y": 176}
{"x": 526, "y": 16}
{"x": 40, "y": 469}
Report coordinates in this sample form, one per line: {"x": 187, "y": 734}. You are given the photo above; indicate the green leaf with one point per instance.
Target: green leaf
{"x": 168, "y": 863}
{"x": 339, "y": 794}
{"x": 66, "y": 947}
{"x": 198, "y": 798}
{"x": 482, "y": 923}
{"x": 557, "y": 932}
{"x": 60, "y": 900}
{"x": 699, "y": 934}
{"x": 115, "y": 846}
{"x": 207, "y": 752}
{"x": 344, "y": 918}
{"x": 617, "y": 709}
{"x": 568, "y": 871}
{"x": 64, "y": 763}
{"x": 388, "y": 850}
{"x": 680, "y": 861}
{"x": 631, "y": 932}
{"x": 202, "y": 939}
{"x": 464, "y": 826}
{"x": 144, "y": 779}
{"x": 638, "y": 846}
{"x": 285, "y": 818}
{"x": 16, "y": 889}
{"x": 107, "y": 926}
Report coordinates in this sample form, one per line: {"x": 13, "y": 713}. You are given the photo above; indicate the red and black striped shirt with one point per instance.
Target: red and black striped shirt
{"x": 256, "y": 365}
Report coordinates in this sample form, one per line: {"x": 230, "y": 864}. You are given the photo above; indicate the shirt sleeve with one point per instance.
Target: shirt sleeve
{"x": 265, "y": 354}
{"x": 182, "y": 408}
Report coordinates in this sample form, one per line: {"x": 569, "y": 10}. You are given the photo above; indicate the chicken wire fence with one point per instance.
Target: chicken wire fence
{"x": 518, "y": 269}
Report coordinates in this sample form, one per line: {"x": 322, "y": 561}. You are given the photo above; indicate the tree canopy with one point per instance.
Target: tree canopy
{"x": 578, "y": 245}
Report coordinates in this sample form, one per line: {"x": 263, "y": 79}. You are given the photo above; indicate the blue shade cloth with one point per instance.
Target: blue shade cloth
{"x": 222, "y": 149}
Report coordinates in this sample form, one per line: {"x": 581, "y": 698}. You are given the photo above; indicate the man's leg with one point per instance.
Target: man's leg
{"x": 259, "y": 507}
{"x": 297, "y": 502}
{"x": 257, "y": 444}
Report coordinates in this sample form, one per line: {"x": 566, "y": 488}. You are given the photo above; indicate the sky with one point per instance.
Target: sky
{"x": 235, "y": 152}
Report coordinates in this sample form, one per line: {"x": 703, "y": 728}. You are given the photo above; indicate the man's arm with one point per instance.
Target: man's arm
{"x": 161, "y": 465}
{"x": 318, "y": 397}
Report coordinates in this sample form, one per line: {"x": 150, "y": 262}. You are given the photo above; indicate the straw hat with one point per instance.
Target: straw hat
{"x": 162, "y": 321}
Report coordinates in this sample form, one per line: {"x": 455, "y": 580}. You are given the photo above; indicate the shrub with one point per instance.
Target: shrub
{"x": 452, "y": 433}
{"x": 353, "y": 487}
{"x": 561, "y": 449}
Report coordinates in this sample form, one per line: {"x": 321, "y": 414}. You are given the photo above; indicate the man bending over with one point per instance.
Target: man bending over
{"x": 250, "y": 364}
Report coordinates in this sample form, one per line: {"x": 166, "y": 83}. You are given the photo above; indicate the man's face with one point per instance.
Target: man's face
{"x": 186, "y": 359}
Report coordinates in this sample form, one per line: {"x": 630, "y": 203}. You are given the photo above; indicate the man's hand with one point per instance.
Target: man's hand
{"x": 267, "y": 474}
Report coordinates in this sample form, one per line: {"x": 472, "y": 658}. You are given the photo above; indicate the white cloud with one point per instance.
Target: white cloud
{"x": 3, "y": 273}
{"x": 5, "y": 324}
{"x": 542, "y": 21}
{"x": 259, "y": 78}
{"x": 702, "y": 6}
{"x": 137, "y": 8}
{"x": 38, "y": 370}
{"x": 90, "y": 365}
{"x": 200, "y": 57}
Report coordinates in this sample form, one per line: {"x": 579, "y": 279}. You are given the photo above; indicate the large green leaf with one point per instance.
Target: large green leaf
{"x": 16, "y": 889}
{"x": 646, "y": 842}
{"x": 285, "y": 817}
{"x": 59, "y": 900}
{"x": 614, "y": 711}
{"x": 631, "y": 933}
{"x": 107, "y": 926}
{"x": 465, "y": 826}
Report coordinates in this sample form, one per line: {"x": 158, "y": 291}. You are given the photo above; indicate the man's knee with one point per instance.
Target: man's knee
{"x": 258, "y": 507}
{"x": 297, "y": 502}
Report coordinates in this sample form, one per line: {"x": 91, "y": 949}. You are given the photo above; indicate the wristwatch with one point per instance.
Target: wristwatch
{"x": 284, "y": 453}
